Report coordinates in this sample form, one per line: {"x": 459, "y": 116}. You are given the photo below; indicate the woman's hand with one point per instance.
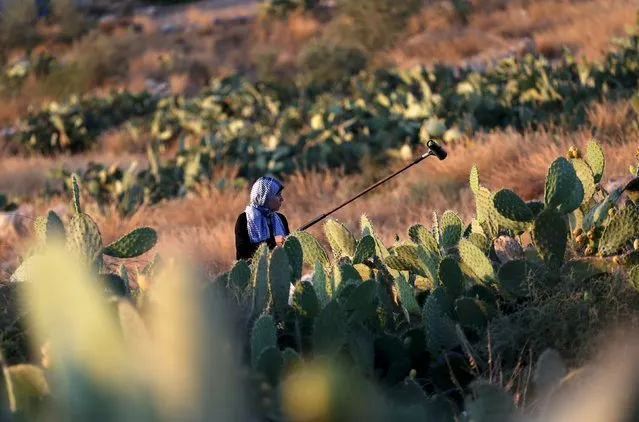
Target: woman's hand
{"x": 279, "y": 240}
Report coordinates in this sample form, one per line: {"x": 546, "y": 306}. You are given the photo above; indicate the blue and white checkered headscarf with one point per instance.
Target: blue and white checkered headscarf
{"x": 257, "y": 214}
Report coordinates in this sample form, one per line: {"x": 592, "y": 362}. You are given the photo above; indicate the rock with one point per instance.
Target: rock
{"x": 508, "y": 249}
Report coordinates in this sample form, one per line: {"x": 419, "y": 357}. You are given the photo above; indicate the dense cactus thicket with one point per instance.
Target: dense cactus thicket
{"x": 376, "y": 331}
{"x": 277, "y": 129}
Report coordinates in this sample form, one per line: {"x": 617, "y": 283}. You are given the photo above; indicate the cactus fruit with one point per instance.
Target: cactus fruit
{"x": 622, "y": 228}
{"x": 635, "y": 245}
{"x": 133, "y": 244}
{"x": 550, "y": 234}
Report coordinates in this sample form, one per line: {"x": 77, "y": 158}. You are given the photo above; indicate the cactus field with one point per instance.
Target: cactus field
{"x": 499, "y": 284}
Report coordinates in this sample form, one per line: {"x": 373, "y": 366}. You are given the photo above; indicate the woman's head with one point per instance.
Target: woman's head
{"x": 267, "y": 192}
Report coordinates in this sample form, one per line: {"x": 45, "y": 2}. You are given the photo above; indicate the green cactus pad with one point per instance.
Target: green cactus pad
{"x": 439, "y": 328}
{"x": 290, "y": 359}
{"x": 330, "y": 330}
{"x": 598, "y": 214}
{"x": 487, "y": 215}
{"x": 451, "y": 277}
{"x": 312, "y": 249}
{"x": 586, "y": 177}
{"x": 582, "y": 269}
{"x": 365, "y": 249}
{"x": 84, "y": 239}
{"x": 321, "y": 284}
{"x": 476, "y": 261}
{"x": 295, "y": 256}
{"x": 263, "y": 336}
{"x": 549, "y": 370}
{"x": 561, "y": 180}
{"x": 135, "y": 243}
{"x": 596, "y": 159}
{"x": 240, "y": 275}
{"x": 419, "y": 234}
{"x": 470, "y": 312}
{"x": 474, "y": 179}
{"x": 270, "y": 363}
{"x": 305, "y": 301}
{"x": 622, "y": 228}
{"x": 407, "y": 259}
{"x": 536, "y": 206}
{"x": 361, "y": 301}
{"x": 511, "y": 206}
{"x": 489, "y": 403}
{"x": 279, "y": 277}
{"x": 342, "y": 241}
{"x": 260, "y": 283}
{"x": 344, "y": 273}
{"x": 550, "y": 234}
{"x": 574, "y": 201}
{"x": 451, "y": 229}
{"x": 480, "y": 241}
{"x": 407, "y": 296}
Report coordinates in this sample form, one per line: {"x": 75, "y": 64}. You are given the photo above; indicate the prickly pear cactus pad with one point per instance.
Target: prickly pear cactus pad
{"x": 135, "y": 243}
{"x": 550, "y": 234}
{"x": 622, "y": 229}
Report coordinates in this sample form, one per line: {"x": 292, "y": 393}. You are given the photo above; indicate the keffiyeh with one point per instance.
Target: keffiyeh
{"x": 258, "y": 215}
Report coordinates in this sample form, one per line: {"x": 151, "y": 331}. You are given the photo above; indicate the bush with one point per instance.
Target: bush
{"x": 323, "y": 64}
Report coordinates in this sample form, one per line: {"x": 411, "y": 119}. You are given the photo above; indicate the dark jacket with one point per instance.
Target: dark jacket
{"x": 244, "y": 248}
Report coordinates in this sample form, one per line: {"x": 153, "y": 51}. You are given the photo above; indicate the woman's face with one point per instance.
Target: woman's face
{"x": 275, "y": 202}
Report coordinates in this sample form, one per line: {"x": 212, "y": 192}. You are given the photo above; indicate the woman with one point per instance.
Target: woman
{"x": 260, "y": 222}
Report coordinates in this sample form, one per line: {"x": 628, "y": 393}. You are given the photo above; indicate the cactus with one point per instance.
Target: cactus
{"x": 622, "y": 228}
{"x": 439, "y": 328}
{"x": 342, "y": 241}
{"x": 407, "y": 296}
{"x": 323, "y": 289}
{"x": 476, "y": 262}
{"x": 263, "y": 336}
{"x": 240, "y": 275}
{"x": 474, "y": 179}
{"x": 312, "y": 249}
{"x": 260, "y": 282}
{"x": 451, "y": 277}
{"x": 550, "y": 234}
{"x": 586, "y": 177}
{"x": 279, "y": 279}
{"x": 330, "y": 330}
{"x": 305, "y": 300}
{"x": 419, "y": 234}
{"x": 135, "y": 243}
{"x": 451, "y": 229}
{"x": 511, "y": 206}
{"x": 470, "y": 313}
{"x": 514, "y": 277}
{"x": 85, "y": 240}
{"x": 563, "y": 190}
{"x": 479, "y": 240}
{"x": 596, "y": 159}
{"x": 365, "y": 249}
{"x": 407, "y": 258}
{"x": 295, "y": 256}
